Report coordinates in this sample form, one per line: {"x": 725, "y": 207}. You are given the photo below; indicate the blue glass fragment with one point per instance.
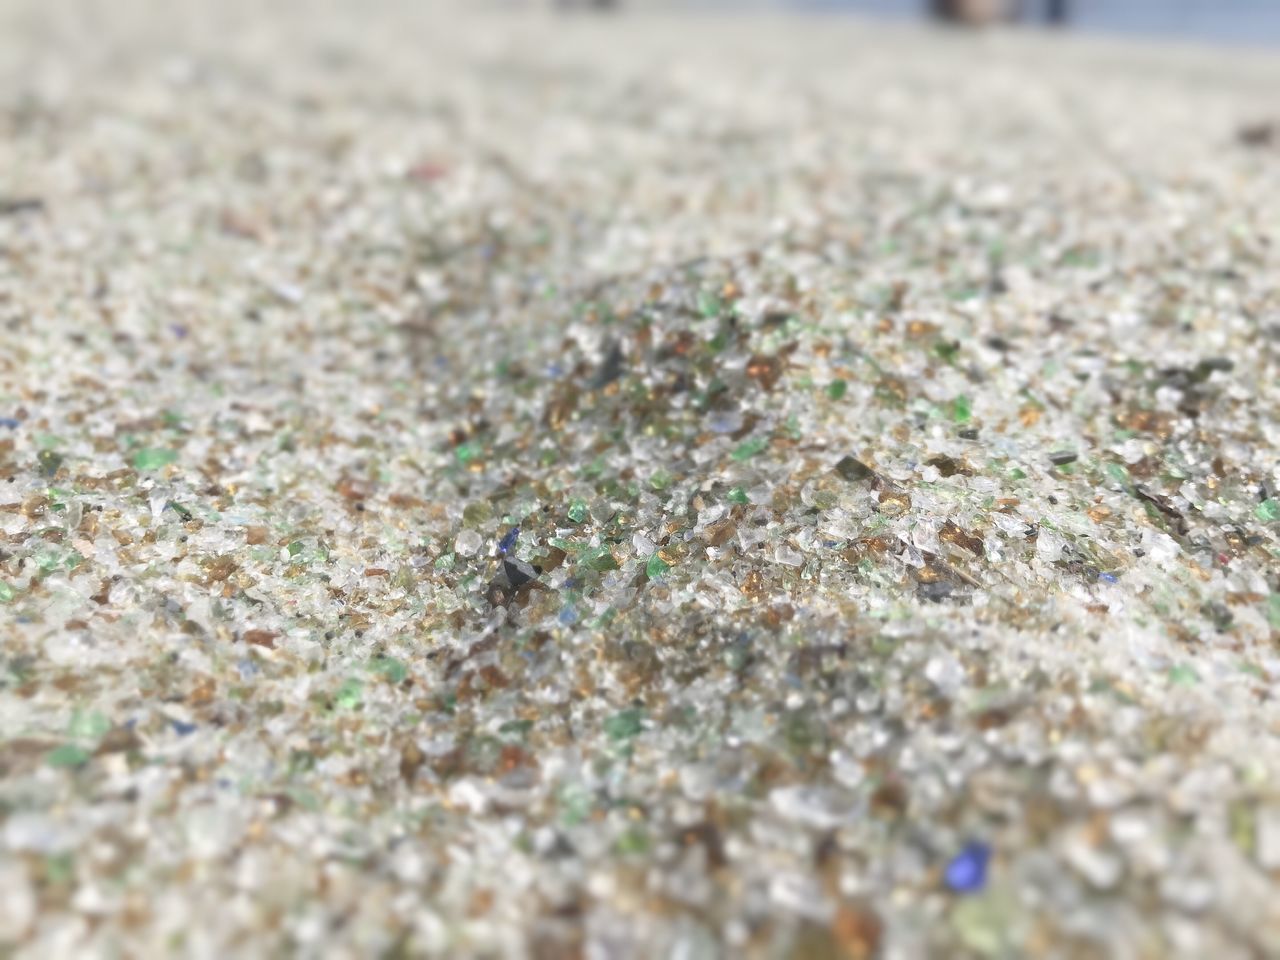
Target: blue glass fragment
{"x": 967, "y": 871}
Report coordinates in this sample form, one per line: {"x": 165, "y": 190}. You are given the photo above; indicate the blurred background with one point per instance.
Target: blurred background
{"x": 1225, "y": 21}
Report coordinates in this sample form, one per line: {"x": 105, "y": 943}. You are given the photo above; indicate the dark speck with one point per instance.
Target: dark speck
{"x": 49, "y": 462}
{"x": 935, "y": 592}
{"x": 611, "y": 369}
{"x": 12, "y": 205}
{"x": 1212, "y": 365}
{"x": 517, "y": 572}
{"x": 1259, "y": 134}
{"x": 853, "y": 469}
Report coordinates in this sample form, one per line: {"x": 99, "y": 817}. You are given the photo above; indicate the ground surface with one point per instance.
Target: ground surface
{"x": 893, "y": 419}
